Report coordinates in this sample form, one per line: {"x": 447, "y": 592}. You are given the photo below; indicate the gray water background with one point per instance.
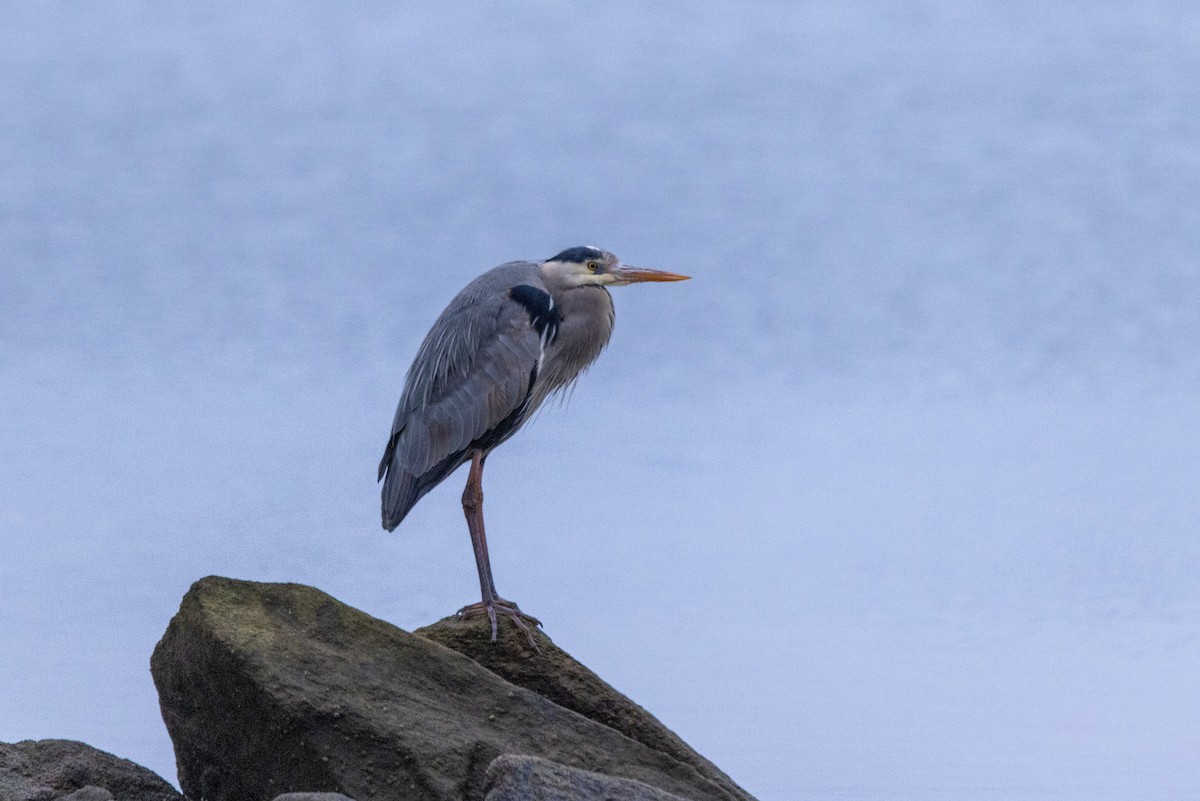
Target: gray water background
{"x": 897, "y": 499}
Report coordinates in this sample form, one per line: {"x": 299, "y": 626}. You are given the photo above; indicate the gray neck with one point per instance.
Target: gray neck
{"x": 586, "y": 323}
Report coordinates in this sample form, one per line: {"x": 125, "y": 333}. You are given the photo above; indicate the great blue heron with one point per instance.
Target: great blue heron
{"x": 511, "y": 337}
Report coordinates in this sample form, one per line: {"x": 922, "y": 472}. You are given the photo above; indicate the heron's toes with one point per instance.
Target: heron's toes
{"x": 500, "y": 606}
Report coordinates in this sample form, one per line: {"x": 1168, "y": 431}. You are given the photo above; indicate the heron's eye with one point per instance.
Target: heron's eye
{"x": 593, "y": 266}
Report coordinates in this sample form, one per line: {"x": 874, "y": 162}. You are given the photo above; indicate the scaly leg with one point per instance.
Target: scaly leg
{"x": 472, "y": 502}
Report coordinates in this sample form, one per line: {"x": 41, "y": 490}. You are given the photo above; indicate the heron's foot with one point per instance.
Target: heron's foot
{"x": 500, "y": 606}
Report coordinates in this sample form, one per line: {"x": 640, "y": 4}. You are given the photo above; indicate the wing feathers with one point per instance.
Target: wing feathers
{"x": 472, "y": 373}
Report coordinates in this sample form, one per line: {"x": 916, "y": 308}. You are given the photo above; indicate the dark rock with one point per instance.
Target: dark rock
{"x": 312, "y": 797}
{"x": 527, "y": 778}
{"x": 89, "y": 793}
{"x": 271, "y": 688}
{"x": 45, "y": 770}
{"x": 551, "y": 672}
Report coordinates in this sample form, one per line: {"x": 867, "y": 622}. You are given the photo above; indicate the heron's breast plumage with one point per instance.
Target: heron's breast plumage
{"x": 584, "y": 326}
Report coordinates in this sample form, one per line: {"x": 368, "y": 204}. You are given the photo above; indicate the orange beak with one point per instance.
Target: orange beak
{"x": 634, "y": 275}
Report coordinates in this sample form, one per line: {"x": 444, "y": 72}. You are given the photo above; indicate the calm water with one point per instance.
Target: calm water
{"x": 897, "y": 499}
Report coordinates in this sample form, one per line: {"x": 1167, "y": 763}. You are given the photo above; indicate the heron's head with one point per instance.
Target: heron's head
{"x": 589, "y": 266}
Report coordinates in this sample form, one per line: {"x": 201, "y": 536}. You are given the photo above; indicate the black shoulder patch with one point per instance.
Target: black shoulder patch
{"x": 543, "y": 314}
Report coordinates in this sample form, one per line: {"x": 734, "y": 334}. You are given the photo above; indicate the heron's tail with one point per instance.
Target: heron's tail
{"x": 401, "y": 489}
{"x": 400, "y": 494}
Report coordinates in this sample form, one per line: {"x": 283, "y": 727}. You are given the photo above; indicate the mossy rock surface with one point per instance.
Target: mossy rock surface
{"x": 274, "y": 688}
{"x": 553, "y": 673}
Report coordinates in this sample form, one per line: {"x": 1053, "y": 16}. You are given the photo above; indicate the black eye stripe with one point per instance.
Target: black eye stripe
{"x": 579, "y": 254}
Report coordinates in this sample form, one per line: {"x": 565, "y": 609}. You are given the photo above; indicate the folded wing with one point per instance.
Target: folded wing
{"x": 467, "y": 389}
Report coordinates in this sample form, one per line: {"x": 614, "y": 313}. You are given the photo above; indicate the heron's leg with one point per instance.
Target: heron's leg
{"x": 472, "y": 501}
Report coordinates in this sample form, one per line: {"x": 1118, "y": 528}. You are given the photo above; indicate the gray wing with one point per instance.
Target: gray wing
{"x": 471, "y": 378}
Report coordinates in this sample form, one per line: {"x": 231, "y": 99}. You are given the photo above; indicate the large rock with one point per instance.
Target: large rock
{"x": 526, "y": 778}
{"x": 551, "y": 672}
{"x": 46, "y": 770}
{"x": 271, "y": 688}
